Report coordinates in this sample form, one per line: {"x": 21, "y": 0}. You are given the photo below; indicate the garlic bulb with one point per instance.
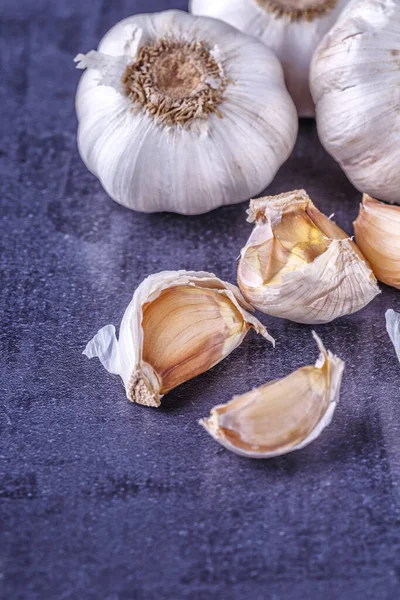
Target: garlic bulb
{"x": 377, "y": 230}
{"x": 355, "y": 82}
{"x": 282, "y": 415}
{"x": 393, "y": 329}
{"x": 299, "y": 265}
{"x": 292, "y": 28}
{"x": 182, "y": 113}
{"x": 179, "y": 324}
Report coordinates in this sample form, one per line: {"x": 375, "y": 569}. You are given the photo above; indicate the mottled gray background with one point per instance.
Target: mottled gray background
{"x": 105, "y": 500}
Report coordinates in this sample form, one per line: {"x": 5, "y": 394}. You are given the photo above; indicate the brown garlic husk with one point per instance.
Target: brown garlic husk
{"x": 280, "y": 416}
{"x": 377, "y": 231}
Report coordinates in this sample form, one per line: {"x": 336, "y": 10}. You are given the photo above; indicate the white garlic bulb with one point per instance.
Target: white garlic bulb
{"x": 178, "y": 325}
{"x": 182, "y": 113}
{"x": 292, "y": 28}
{"x": 299, "y": 265}
{"x": 282, "y": 415}
{"x": 355, "y": 82}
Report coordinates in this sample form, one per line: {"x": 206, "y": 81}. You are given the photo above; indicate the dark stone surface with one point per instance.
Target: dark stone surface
{"x": 101, "y": 499}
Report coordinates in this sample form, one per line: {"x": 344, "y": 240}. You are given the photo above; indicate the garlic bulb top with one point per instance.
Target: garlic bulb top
{"x": 292, "y": 28}
{"x": 182, "y": 113}
{"x": 297, "y": 264}
{"x": 355, "y": 82}
{"x": 178, "y": 325}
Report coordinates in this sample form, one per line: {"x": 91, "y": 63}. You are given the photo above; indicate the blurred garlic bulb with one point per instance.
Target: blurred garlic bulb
{"x": 393, "y": 329}
{"x": 355, "y": 82}
{"x": 299, "y": 265}
{"x": 377, "y": 230}
{"x": 292, "y": 28}
{"x": 182, "y": 113}
{"x": 282, "y": 415}
{"x": 178, "y": 325}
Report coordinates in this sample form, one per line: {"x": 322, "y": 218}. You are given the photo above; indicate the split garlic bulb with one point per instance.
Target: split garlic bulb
{"x": 299, "y": 265}
{"x": 292, "y": 28}
{"x": 182, "y": 113}
{"x": 282, "y": 415}
{"x": 393, "y": 329}
{"x": 377, "y": 230}
{"x": 355, "y": 82}
{"x": 178, "y": 325}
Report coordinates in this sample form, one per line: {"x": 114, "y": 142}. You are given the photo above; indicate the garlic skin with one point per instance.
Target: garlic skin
{"x": 377, "y": 230}
{"x": 299, "y": 265}
{"x": 182, "y": 113}
{"x": 178, "y": 325}
{"x": 283, "y": 415}
{"x": 393, "y": 329}
{"x": 355, "y": 83}
{"x": 292, "y": 28}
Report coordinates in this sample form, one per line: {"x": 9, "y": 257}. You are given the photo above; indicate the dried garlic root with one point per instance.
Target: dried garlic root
{"x": 299, "y": 265}
{"x": 178, "y": 325}
{"x": 377, "y": 230}
{"x": 283, "y": 415}
{"x": 393, "y": 329}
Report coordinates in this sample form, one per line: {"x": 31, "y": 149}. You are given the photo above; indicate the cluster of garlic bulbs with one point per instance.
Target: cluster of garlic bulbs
{"x": 292, "y": 28}
{"x": 182, "y": 113}
{"x": 355, "y": 82}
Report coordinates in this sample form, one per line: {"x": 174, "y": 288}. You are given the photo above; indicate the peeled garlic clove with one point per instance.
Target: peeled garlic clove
{"x": 292, "y": 28}
{"x": 182, "y": 113}
{"x": 377, "y": 230}
{"x": 178, "y": 325}
{"x": 355, "y": 83}
{"x": 280, "y": 416}
{"x": 299, "y": 265}
{"x": 393, "y": 329}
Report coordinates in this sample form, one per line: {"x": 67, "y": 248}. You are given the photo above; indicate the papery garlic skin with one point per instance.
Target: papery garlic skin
{"x": 393, "y": 329}
{"x": 283, "y": 415}
{"x": 178, "y": 325}
{"x": 355, "y": 82}
{"x": 299, "y": 265}
{"x": 377, "y": 230}
{"x": 192, "y": 161}
{"x": 292, "y": 28}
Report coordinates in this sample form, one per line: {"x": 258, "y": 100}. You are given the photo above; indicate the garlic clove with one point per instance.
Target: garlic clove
{"x": 355, "y": 72}
{"x": 168, "y": 104}
{"x": 291, "y": 28}
{"x": 377, "y": 230}
{"x": 393, "y": 329}
{"x": 282, "y": 415}
{"x": 178, "y": 325}
{"x": 299, "y": 265}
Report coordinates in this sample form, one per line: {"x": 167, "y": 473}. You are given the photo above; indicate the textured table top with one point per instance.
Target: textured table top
{"x": 105, "y": 500}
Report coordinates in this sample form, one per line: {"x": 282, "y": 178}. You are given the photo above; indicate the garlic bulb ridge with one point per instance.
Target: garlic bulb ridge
{"x": 280, "y": 416}
{"x": 292, "y": 28}
{"x": 182, "y": 113}
{"x": 299, "y": 265}
{"x": 178, "y": 325}
{"x": 355, "y": 82}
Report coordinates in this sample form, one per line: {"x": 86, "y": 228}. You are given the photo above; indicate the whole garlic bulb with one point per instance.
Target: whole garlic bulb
{"x": 283, "y": 415}
{"x": 178, "y": 325}
{"x": 355, "y": 82}
{"x": 292, "y": 28}
{"x": 182, "y": 113}
{"x": 377, "y": 230}
{"x": 299, "y": 265}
